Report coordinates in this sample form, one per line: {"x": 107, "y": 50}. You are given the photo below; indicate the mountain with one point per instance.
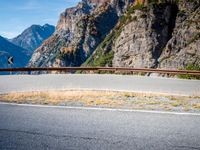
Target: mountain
{"x": 78, "y": 33}
{"x": 21, "y": 56}
{"x": 33, "y": 37}
{"x": 125, "y": 33}
{"x": 153, "y": 35}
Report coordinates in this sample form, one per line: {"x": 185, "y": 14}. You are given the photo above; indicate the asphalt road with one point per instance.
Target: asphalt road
{"x": 39, "y": 128}
{"x": 21, "y": 83}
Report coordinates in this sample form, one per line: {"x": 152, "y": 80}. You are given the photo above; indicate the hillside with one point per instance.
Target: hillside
{"x": 21, "y": 56}
{"x": 123, "y": 33}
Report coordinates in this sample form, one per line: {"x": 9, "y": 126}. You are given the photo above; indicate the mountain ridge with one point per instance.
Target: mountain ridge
{"x": 32, "y": 37}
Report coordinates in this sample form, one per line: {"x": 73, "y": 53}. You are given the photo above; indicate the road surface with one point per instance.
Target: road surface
{"x": 37, "y": 127}
{"x": 22, "y": 83}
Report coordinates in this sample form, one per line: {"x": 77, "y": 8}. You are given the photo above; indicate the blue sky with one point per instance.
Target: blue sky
{"x": 17, "y": 15}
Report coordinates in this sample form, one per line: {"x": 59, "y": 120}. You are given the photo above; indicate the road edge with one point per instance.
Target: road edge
{"x": 102, "y": 109}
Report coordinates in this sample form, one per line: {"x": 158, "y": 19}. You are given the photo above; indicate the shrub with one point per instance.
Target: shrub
{"x": 191, "y": 67}
{"x": 104, "y": 60}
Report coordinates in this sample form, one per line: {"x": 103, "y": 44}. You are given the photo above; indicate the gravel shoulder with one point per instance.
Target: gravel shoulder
{"x": 107, "y": 99}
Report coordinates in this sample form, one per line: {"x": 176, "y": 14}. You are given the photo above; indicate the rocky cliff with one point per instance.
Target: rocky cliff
{"x": 125, "y": 33}
{"x": 153, "y": 34}
{"x": 183, "y": 48}
{"x": 142, "y": 40}
{"x": 78, "y": 33}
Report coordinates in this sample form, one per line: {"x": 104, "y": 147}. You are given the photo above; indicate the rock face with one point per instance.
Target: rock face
{"x": 184, "y": 46}
{"x": 20, "y": 55}
{"x": 33, "y": 37}
{"x": 78, "y": 33}
{"x": 125, "y": 33}
{"x": 153, "y": 35}
{"x": 141, "y": 41}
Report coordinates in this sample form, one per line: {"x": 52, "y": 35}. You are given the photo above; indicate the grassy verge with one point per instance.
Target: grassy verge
{"x": 107, "y": 100}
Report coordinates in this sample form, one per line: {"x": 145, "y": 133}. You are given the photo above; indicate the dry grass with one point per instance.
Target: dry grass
{"x": 196, "y": 106}
{"x": 56, "y": 97}
{"x": 106, "y": 99}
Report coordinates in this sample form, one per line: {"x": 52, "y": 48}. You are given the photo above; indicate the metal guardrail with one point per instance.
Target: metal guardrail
{"x": 114, "y": 69}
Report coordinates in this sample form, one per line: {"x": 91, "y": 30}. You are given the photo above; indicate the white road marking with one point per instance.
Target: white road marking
{"x": 102, "y": 109}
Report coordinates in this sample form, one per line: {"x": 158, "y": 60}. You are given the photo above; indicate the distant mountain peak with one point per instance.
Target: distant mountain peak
{"x": 47, "y": 24}
{"x": 32, "y": 37}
